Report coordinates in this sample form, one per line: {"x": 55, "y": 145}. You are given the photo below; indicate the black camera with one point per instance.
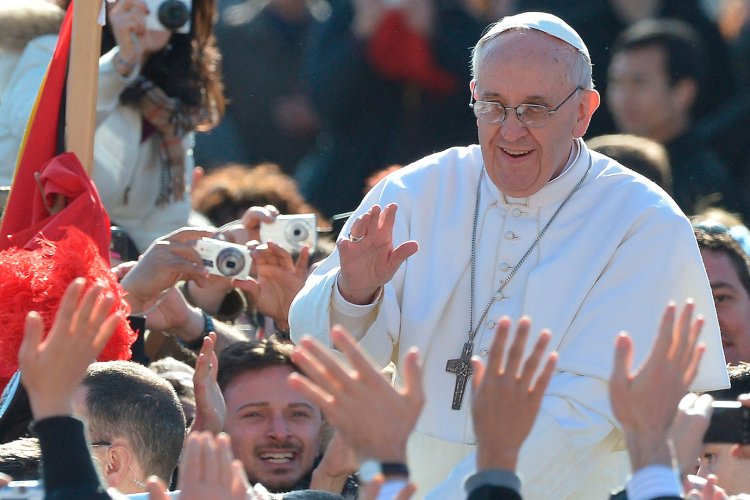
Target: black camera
{"x": 730, "y": 423}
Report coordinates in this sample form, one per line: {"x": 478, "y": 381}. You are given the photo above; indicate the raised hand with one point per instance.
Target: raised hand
{"x": 53, "y": 368}
{"x": 210, "y": 409}
{"x": 277, "y": 283}
{"x": 368, "y": 259}
{"x": 164, "y": 263}
{"x": 645, "y": 401}
{"x": 207, "y": 470}
{"x": 128, "y": 21}
{"x": 372, "y": 416}
{"x": 507, "y": 395}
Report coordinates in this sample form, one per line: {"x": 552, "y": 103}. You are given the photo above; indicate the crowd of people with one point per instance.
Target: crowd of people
{"x": 552, "y": 307}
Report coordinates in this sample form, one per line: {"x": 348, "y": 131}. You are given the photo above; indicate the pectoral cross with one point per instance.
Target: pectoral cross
{"x": 461, "y": 367}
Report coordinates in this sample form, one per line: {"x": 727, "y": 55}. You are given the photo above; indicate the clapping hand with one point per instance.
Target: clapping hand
{"x": 210, "y": 409}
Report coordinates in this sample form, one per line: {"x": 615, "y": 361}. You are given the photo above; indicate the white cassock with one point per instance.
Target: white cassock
{"x": 617, "y": 253}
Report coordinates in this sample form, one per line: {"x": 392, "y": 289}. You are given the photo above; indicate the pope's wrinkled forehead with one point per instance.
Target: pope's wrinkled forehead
{"x": 552, "y": 27}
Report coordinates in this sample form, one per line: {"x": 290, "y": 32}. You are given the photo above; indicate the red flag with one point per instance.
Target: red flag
{"x": 42, "y": 177}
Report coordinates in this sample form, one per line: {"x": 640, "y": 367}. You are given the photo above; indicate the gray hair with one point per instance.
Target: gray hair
{"x": 580, "y": 70}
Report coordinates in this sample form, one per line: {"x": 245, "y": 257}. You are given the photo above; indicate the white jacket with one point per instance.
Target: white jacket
{"x": 617, "y": 253}
{"x": 121, "y": 161}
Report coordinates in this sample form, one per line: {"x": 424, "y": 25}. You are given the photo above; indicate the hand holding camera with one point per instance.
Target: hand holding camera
{"x": 279, "y": 279}
{"x": 225, "y": 259}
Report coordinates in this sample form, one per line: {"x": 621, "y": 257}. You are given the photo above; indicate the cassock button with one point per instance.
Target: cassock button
{"x": 490, "y": 324}
{"x": 516, "y": 212}
{"x": 483, "y": 352}
{"x": 504, "y": 266}
{"x": 510, "y": 235}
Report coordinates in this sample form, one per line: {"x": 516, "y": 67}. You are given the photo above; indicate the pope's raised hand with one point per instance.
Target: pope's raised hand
{"x": 368, "y": 259}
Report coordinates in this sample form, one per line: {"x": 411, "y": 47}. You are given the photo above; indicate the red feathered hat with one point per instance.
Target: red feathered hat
{"x": 35, "y": 280}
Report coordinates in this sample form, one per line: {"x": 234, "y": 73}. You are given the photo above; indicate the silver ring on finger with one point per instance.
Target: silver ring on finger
{"x": 355, "y": 239}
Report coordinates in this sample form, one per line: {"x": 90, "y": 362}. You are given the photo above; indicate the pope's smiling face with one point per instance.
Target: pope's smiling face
{"x": 275, "y": 431}
{"x": 529, "y": 67}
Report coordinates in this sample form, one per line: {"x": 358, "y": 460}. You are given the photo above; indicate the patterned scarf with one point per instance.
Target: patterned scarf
{"x": 172, "y": 120}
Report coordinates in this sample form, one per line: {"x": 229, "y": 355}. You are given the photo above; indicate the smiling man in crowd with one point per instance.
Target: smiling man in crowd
{"x": 276, "y": 432}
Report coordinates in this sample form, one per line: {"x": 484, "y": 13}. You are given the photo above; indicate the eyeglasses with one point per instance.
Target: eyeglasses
{"x": 530, "y": 115}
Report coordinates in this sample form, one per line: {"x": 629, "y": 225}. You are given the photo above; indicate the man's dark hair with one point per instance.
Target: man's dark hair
{"x": 643, "y": 155}
{"x": 718, "y": 238}
{"x": 125, "y": 399}
{"x": 739, "y": 380}
{"x": 241, "y": 357}
{"x": 682, "y": 45}
{"x": 20, "y": 459}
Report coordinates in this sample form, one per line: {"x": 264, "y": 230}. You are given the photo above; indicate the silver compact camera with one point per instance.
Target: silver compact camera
{"x": 22, "y": 490}
{"x": 291, "y": 232}
{"x": 169, "y": 15}
{"x": 224, "y": 259}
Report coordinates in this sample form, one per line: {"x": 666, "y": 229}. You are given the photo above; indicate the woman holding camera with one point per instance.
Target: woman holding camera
{"x": 156, "y": 86}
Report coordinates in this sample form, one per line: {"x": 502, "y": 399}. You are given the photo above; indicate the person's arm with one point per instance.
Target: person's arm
{"x": 51, "y": 371}
{"x": 121, "y": 66}
{"x": 373, "y": 417}
{"x": 507, "y": 397}
{"x": 150, "y": 290}
{"x": 210, "y": 408}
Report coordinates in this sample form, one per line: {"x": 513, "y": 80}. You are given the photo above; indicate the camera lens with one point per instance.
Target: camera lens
{"x": 230, "y": 261}
{"x": 297, "y": 233}
{"x": 173, "y": 14}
